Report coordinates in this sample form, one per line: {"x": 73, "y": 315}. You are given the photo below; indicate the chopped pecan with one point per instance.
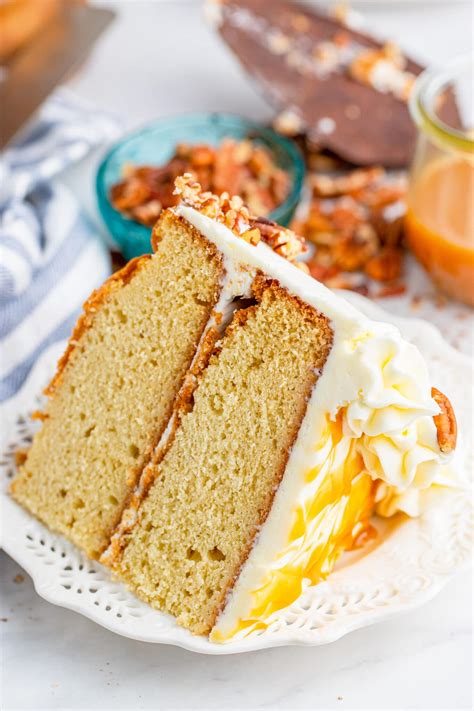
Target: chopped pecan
{"x": 182, "y": 150}
{"x": 258, "y": 198}
{"x": 390, "y": 232}
{"x": 360, "y": 288}
{"x": 226, "y": 176}
{"x": 386, "y": 265}
{"x": 378, "y": 196}
{"x": 282, "y": 240}
{"x": 445, "y": 422}
{"x": 236, "y": 167}
{"x": 390, "y": 290}
{"x": 202, "y": 155}
{"x": 232, "y": 212}
{"x": 346, "y": 216}
{"x": 261, "y": 163}
{"x": 332, "y": 186}
{"x": 344, "y": 281}
{"x": 318, "y": 228}
{"x": 321, "y": 272}
{"x": 352, "y": 253}
{"x": 129, "y": 194}
{"x": 323, "y": 258}
{"x": 251, "y": 235}
{"x": 353, "y": 217}
{"x": 279, "y": 185}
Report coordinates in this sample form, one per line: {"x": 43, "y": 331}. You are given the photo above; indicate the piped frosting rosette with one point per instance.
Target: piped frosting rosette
{"x": 392, "y": 418}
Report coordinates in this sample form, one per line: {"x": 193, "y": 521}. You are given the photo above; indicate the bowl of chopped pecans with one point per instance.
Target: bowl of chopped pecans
{"x": 225, "y": 153}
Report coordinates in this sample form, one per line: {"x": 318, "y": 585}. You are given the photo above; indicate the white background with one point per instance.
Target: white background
{"x": 157, "y": 59}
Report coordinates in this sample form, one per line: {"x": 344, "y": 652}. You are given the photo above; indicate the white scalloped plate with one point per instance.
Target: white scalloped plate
{"x": 408, "y": 564}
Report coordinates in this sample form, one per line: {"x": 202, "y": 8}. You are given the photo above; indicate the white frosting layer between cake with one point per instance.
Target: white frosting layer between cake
{"x": 377, "y": 380}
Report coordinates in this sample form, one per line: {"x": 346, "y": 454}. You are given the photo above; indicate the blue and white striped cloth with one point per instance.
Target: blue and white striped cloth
{"x": 51, "y": 256}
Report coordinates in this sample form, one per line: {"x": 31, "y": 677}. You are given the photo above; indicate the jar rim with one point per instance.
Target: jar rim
{"x": 428, "y": 85}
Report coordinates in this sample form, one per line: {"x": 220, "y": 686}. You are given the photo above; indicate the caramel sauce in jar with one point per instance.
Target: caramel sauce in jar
{"x": 439, "y": 224}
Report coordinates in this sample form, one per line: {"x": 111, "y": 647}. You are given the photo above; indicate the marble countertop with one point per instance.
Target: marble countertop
{"x": 54, "y": 659}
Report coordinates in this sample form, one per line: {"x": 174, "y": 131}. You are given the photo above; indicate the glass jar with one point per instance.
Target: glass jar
{"x": 440, "y": 217}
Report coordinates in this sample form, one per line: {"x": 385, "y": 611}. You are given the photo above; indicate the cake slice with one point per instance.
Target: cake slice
{"x": 112, "y": 397}
{"x": 307, "y": 419}
{"x": 289, "y": 420}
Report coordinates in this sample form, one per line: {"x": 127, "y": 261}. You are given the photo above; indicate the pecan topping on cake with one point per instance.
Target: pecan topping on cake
{"x": 231, "y": 211}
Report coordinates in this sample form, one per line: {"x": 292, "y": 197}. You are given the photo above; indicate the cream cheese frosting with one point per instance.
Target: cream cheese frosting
{"x": 375, "y": 386}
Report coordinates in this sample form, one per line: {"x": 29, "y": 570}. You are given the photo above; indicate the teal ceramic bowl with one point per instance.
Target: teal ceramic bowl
{"x": 155, "y": 144}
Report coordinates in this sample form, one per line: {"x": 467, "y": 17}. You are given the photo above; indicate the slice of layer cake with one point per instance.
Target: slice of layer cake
{"x": 307, "y": 418}
{"x": 297, "y": 418}
{"x": 115, "y": 388}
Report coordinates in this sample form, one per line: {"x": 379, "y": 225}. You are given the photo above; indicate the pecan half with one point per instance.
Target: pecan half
{"x": 445, "y": 422}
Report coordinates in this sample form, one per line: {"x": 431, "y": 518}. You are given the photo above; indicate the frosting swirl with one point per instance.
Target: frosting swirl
{"x": 392, "y": 419}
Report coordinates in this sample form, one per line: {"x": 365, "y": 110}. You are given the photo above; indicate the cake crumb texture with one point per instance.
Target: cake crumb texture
{"x": 216, "y": 484}
{"x": 116, "y": 388}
